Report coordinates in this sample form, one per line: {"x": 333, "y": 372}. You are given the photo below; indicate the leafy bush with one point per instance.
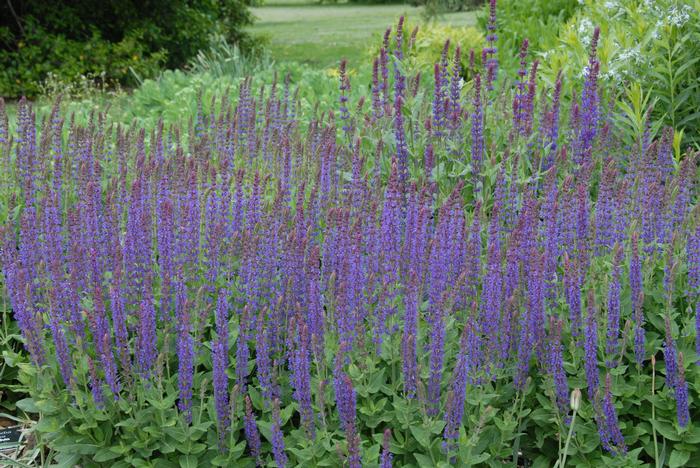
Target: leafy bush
{"x": 636, "y": 33}
{"x": 89, "y": 37}
{"x": 431, "y": 40}
{"x": 224, "y": 59}
{"x": 538, "y": 21}
{"x": 42, "y": 58}
{"x": 529, "y": 19}
{"x": 433, "y": 8}
{"x": 429, "y": 275}
{"x": 428, "y": 45}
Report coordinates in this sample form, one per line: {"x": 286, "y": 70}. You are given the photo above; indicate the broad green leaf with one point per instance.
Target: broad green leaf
{"x": 188, "y": 461}
{"x": 105, "y": 454}
{"x": 27, "y": 405}
{"x": 422, "y": 435}
{"x": 678, "y": 458}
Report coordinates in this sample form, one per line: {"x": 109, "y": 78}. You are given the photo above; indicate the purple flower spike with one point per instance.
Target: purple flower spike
{"x": 301, "y": 377}
{"x": 220, "y": 363}
{"x": 146, "y": 338}
{"x": 185, "y": 352}
{"x": 277, "y": 441}
{"x": 263, "y": 363}
{"x": 408, "y": 343}
{"x": 670, "y": 355}
{"x": 455, "y": 106}
{"x": 693, "y": 251}
{"x": 385, "y": 460}
{"x": 613, "y": 336}
{"x": 520, "y": 85}
{"x": 682, "y": 409}
{"x": 95, "y": 385}
{"x": 344, "y": 89}
{"x": 591, "y": 347}
{"x": 637, "y": 300}
{"x": 490, "y": 52}
{"x": 346, "y": 402}
{"x": 454, "y": 412}
{"x": 250, "y": 428}
{"x": 610, "y": 436}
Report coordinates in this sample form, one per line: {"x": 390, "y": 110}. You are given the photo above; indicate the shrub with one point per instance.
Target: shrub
{"x": 43, "y": 57}
{"x": 431, "y": 40}
{"x": 88, "y": 37}
{"x": 429, "y": 43}
{"x": 538, "y": 21}
{"x": 223, "y": 59}
{"x": 665, "y": 34}
{"x": 433, "y": 8}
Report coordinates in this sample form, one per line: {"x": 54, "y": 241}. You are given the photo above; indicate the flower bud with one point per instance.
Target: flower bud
{"x": 576, "y": 399}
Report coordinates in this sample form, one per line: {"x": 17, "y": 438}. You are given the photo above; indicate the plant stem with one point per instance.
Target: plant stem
{"x": 653, "y": 412}
{"x": 568, "y": 440}
{"x": 516, "y": 445}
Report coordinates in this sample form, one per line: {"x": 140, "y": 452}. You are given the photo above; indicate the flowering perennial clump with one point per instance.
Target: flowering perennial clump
{"x": 366, "y": 289}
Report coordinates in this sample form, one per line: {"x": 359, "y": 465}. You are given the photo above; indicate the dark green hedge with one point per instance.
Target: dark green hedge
{"x": 107, "y": 37}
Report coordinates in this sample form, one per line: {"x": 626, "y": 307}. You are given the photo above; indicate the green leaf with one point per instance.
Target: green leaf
{"x": 67, "y": 460}
{"x": 302, "y": 454}
{"x": 219, "y": 460}
{"x": 667, "y": 430}
{"x": 437, "y": 426}
{"x": 27, "y": 405}
{"x": 105, "y": 454}
{"x": 188, "y": 461}
{"x": 422, "y": 435}
{"x": 692, "y": 435}
{"x": 265, "y": 430}
{"x": 678, "y": 458}
{"x": 377, "y": 380}
{"x": 176, "y": 433}
{"x": 423, "y": 460}
{"x": 81, "y": 449}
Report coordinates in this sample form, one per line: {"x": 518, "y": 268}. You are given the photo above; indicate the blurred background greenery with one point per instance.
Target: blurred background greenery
{"x": 149, "y": 59}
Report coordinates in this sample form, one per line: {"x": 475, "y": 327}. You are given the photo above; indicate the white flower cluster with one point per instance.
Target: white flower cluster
{"x": 675, "y": 15}
{"x": 585, "y": 31}
{"x": 678, "y": 16}
{"x": 629, "y": 55}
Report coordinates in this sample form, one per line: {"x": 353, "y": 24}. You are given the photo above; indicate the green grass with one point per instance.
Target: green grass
{"x": 321, "y": 35}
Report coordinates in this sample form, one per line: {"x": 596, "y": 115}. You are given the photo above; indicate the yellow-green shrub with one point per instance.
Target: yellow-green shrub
{"x": 430, "y": 40}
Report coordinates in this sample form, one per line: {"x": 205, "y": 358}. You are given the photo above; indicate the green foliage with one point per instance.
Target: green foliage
{"x": 431, "y": 40}
{"x": 108, "y": 41}
{"x": 538, "y": 21}
{"x": 224, "y": 59}
{"x": 176, "y": 93}
{"x": 128, "y": 432}
{"x": 655, "y": 44}
{"x": 501, "y": 425}
{"x": 10, "y": 343}
{"x": 434, "y": 8}
{"x": 42, "y": 58}
{"x": 368, "y": 2}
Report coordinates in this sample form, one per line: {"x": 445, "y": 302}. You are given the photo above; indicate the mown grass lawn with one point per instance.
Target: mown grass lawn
{"x": 322, "y": 34}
